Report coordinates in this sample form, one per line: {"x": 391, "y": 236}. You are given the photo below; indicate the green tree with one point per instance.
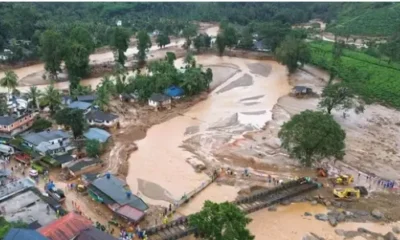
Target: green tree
{"x": 170, "y": 57}
{"x": 201, "y": 41}
{"x": 312, "y": 136}
{"x": 80, "y": 90}
{"x": 34, "y": 94}
{"x": 273, "y": 33}
{"x": 392, "y": 47}
{"x": 230, "y": 36}
{"x": 3, "y": 105}
{"x": 52, "y": 50}
{"x": 221, "y": 44}
{"x": 246, "y": 40}
{"x": 144, "y": 43}
{"x": 162, "y": 40}
{"x": 221, "y": 221}
{"x": 72, "y": 118}
{"x": 82, "y": 36}
{"x": 41, "y": 124}
{"x": 93, "y": 148}
{"x": 336, "y": 96}
{"x": 337, "y": 52}
{"x": 188, "y": 32}
{"x": 102, "y": 98}
{"x": 291, "y": 51}
{"x": 77, "y": 63}
{"x": 52, "y": 98}
{"x": 9, "y": 81}
{"x": 120, "y": 43}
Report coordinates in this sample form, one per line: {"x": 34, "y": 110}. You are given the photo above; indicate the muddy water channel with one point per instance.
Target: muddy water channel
{"x": 244, "y": 93}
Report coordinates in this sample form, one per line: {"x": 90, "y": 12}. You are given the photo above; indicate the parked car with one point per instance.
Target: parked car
{"x": 33, "y": 173}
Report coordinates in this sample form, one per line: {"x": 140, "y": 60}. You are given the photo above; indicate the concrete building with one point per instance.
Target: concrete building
{"x": 158, "y": 100}
{"x": 102, "y": 119}
{"x": 52, "y": 142}
{"x": 16, "y": 123}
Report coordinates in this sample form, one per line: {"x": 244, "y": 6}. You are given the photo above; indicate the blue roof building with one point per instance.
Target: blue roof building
{"x": 19, "y": 234}
{"x": 174, "y": 92}
{"x": 98, "y": 134}
{"x": 80, "y": 105}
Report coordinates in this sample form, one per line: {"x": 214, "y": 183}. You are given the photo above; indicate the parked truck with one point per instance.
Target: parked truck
{"x": 55, "y": 193}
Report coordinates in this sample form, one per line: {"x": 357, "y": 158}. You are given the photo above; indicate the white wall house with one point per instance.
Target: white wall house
{"x": 99, "y": 118}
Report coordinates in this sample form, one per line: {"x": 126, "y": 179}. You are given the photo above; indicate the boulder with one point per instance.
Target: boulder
{"x": 314, "y": 202}
{"x": 348, "y": 214}
{"x": 321, "y": 217}
{"x": 341, "y": 217}
{"x": 285, "y": 203}
{"x": 340, "y": 232}
{"x": 198, "y": 165}
{"x": 332, "y": 221}
{"x": 307, "y": 214}
{"x": 390, "y": 236}
{"x": 396, "y": 229}
{"x": 363, "y": 230}
{"x": 327, "y": 203}
{"x": 272, "y": 209}
{"x": 311, "y": 236}
{"x": 377, "y": 214}
{"x": 337, "y": 204}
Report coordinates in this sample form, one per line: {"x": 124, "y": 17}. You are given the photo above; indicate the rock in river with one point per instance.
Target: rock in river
{"x": 390, "y": 236}
{"x": 377, "y": 214}
{"x": 307, "y": 214}
{"x": 272, "y": 209}
{"x": 396, "y": 229}
{"x": 340, "y": 232}
{"x": 321, "y": 217}
{"x": 332, "y": 221}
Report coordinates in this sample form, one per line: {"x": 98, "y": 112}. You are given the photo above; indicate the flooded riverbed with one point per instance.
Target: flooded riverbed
{"x": 289, "y": 223}
{"x": 226, "y": 114}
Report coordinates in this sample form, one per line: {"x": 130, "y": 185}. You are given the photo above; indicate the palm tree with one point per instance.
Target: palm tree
{"x": 34, "y": 94}
{"x": 52, "y": 98}
{"x": 10, "y": 81}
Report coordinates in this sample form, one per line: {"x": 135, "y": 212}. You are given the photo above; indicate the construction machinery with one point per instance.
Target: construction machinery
{"x": 350, "y": 194}
{"x": 343, "y": 179}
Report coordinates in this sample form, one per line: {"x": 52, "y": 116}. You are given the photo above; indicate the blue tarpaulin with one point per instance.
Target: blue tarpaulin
{"x": 174, "y": 91}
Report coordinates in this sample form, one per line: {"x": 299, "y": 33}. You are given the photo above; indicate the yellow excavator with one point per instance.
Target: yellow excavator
{"x": 343, "y": 179}
{"x": 350, "y": 194}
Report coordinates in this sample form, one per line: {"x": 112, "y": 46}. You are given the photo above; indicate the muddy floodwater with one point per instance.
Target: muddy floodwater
{"x": 289, "y": 223}
{"x": 222, "y": 117}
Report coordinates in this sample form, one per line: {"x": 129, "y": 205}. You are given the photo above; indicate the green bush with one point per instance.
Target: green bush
{"x": 372, "y": 79}
{"x": 41, "y": 124}
{"x": 93, "y": 148}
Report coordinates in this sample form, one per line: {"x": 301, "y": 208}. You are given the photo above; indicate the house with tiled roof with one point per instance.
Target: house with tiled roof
{"x": 67, "y": 227}
{"x": 115, "y": 194}
{"x": 52, "y": 142}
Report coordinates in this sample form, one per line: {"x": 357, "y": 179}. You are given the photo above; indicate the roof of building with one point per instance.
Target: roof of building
{"x": 83, "y": 163}
{"x": 64, "y": 158}
{"x": 86, "y": 98}
{"x": 5, "y": 172}
{"x": 14, "y": 187}
{"x": 101, "y": 116}
{"x": 80, "y": 105}
{"x": 90, "y": 177}
{"x": 6, "y": 120}
{"x": 98, "y": 134}
{"x": 158, "y": 97}
{"x": 45, "y": 136}
{"x": 94, "y": 234}
{"x": 174, "y": 91}
{"x": 115, "y": 189}
{"x": 130, "y": 213}
{"x": 66, "y": 227}
{"x": 22, "y": 234}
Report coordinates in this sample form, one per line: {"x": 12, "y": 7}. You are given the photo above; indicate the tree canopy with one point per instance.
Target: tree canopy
{"x": 311, "y": 136}
{"x": 221, "y": 221}
{"x": 120, "y": 43}
{"x": 9, "y": 81}
{"x": 92, "y": 148}
{"x": 72, "y": 118}
{"x": 52, "y": 50}
{"x": 336, "y": 96}
{"x": 293, "y": 51}
{"x": 144, "y": 43}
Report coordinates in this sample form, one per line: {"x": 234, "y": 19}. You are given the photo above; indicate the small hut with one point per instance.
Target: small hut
{"x": 300, "y": 91}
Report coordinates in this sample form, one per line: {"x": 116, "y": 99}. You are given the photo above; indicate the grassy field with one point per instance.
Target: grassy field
{"x": 371, "y": 78}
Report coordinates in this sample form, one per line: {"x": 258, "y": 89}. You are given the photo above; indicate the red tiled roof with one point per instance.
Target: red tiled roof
{"x": 65, "y": 228}
{"x": 130, "y": 213}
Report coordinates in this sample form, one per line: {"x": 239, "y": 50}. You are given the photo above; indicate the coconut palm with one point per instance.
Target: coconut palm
{"x": 52, "y": 98}
{"x": 34, "y": 94}
{"x": 10, "y": 80}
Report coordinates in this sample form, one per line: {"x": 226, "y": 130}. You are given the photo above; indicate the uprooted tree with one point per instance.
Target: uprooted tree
{"x": 339, "y": 96}
{"x": 221, "y": 221}
{"x": 312, "y": 136}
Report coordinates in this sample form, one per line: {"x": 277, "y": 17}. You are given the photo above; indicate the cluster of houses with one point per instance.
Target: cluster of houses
{"x": 45, "y": 218}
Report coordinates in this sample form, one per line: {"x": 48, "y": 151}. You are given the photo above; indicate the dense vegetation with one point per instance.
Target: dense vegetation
{"x": 371, "y": 78}
{"x": 369, "y": 18}
{"x": 6, "y": 226}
